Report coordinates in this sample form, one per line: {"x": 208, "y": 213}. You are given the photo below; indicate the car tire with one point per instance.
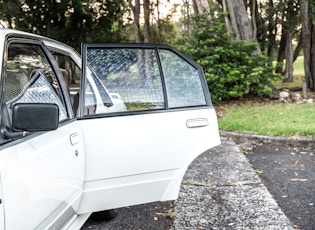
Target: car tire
{"x": 105, "y": 215}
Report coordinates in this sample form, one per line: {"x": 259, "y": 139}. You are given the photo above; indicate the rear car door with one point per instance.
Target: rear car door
{"x": 145, "y": 115}
{"x": 42, "y": 172}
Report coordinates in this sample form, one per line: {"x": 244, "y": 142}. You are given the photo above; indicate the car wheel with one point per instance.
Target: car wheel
{"x": 105, "y": 215}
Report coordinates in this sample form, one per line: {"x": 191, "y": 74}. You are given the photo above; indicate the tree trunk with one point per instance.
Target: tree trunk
{"x": 271, "y": 45}
{"x": 289, "y": 58}
{"x": 254, "y": 20}
{"x": 147, "y": 27}
{"x": 226, "y": 18}
{"x": 298, "y": 48}
{"x": 201, "y": 6}
{"x": 307, "y": 42}
{"x": 244, "y": 27}
{"x": 136, "y": 19}
{"x": 233, "y": 19}
{"x": 158, "y": 22}
{"x": 312, "y": 60}
{"x": 282, "y": 45}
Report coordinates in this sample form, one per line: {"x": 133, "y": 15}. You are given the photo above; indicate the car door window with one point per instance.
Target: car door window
{"x": 71, "y": 72}
{"x": 29, "y": 78}
{"x": 131, "y": 77}
{"x": 143, "y": 79}
{"x": 183, "y": 83}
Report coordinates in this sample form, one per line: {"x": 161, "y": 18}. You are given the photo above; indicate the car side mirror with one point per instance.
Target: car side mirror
{"x": 35, "y": 117}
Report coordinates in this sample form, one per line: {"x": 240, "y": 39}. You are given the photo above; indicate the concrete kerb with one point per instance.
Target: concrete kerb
{"x": 239, "y": 137}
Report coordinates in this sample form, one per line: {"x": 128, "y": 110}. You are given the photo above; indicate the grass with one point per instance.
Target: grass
{"x": 274, "y": 119}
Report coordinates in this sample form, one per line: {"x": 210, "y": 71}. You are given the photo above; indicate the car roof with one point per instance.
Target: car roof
{"x": 49, "y": 42}
{"x": 4, "y": 33}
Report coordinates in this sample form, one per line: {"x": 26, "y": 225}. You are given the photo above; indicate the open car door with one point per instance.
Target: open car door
{"x": 145, "y": 114}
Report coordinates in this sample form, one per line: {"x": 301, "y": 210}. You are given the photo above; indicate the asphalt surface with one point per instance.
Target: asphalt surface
{"x": 226, "y": 189}
{"x": 288, "y": 173}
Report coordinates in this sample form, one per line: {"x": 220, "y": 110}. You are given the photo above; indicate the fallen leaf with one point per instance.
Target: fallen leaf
{"x": 299, "y": 179}
{"x": 258, "y": 171}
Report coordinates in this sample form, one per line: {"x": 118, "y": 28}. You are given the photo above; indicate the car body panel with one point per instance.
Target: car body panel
{"x": 41, "y": 174}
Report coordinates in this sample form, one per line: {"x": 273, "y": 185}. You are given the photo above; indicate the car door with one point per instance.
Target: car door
{"x": 161, "y": 118}
{"x": 42, "y": 172}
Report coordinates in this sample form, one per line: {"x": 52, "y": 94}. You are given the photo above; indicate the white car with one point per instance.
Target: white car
{"x": 65, "y": 154}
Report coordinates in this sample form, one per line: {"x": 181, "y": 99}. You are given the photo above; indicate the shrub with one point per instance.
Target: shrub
{"x": 233, "y": 68}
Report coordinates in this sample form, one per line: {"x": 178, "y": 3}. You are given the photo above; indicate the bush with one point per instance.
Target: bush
{"x": 233, "y": 68}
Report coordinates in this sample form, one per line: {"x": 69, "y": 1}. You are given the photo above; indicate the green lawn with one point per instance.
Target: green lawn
{"x": 275, "y": 119}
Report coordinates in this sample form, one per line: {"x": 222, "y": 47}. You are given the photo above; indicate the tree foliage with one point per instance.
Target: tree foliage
{"x": 233, "y": 68}
{"x": 69, "y": 21}
{"x": 215, "y": 37}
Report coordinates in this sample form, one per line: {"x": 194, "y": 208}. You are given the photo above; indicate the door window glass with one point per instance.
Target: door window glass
{"x": 183, "y": 84}
{"x": 29, "y": 78}
{"x": 71, "y": 74}
{"x": 130, "y": 76}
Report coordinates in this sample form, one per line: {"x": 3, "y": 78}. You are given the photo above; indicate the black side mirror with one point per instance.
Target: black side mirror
{"x": 35, "y": 117}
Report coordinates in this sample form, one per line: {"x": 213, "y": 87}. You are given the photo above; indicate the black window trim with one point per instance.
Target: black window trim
{"x": 155, "y": 47}
{"x": 37, "y": 41}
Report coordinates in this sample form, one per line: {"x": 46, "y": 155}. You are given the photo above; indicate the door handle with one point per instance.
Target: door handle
{"x": 74, "y": 138}
{"x": 198, "y": 122}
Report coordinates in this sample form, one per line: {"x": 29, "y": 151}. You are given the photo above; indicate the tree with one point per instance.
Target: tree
{"x": 8, "y": 11}
{"x": 308, "y": 34}
{"x": 233, "y": 68}
{"x": 201, "y": 7}
{"x": 70, "y": 21}
{"x": 135, "y": 7}
{"x": 147, "y": 30}
{"x": 240, "y": 22}
{"x": 147, "y": 27}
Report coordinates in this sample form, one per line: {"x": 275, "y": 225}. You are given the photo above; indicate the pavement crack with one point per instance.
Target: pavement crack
{"x": 199, "y": 185}
{"x": 234, "y": 184}
{"x": 242, "y": 184}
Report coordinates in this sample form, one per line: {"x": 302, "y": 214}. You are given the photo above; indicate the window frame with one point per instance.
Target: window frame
{"x": 156, "y": 48}
{"x": 28, "y": 40}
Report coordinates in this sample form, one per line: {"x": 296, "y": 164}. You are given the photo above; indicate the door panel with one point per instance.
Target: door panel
{"x": 140, "y": 154}
{"x": 132, "y": 157}
{"x": 145, "y": 143}
{"x": 40, "y": 175}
